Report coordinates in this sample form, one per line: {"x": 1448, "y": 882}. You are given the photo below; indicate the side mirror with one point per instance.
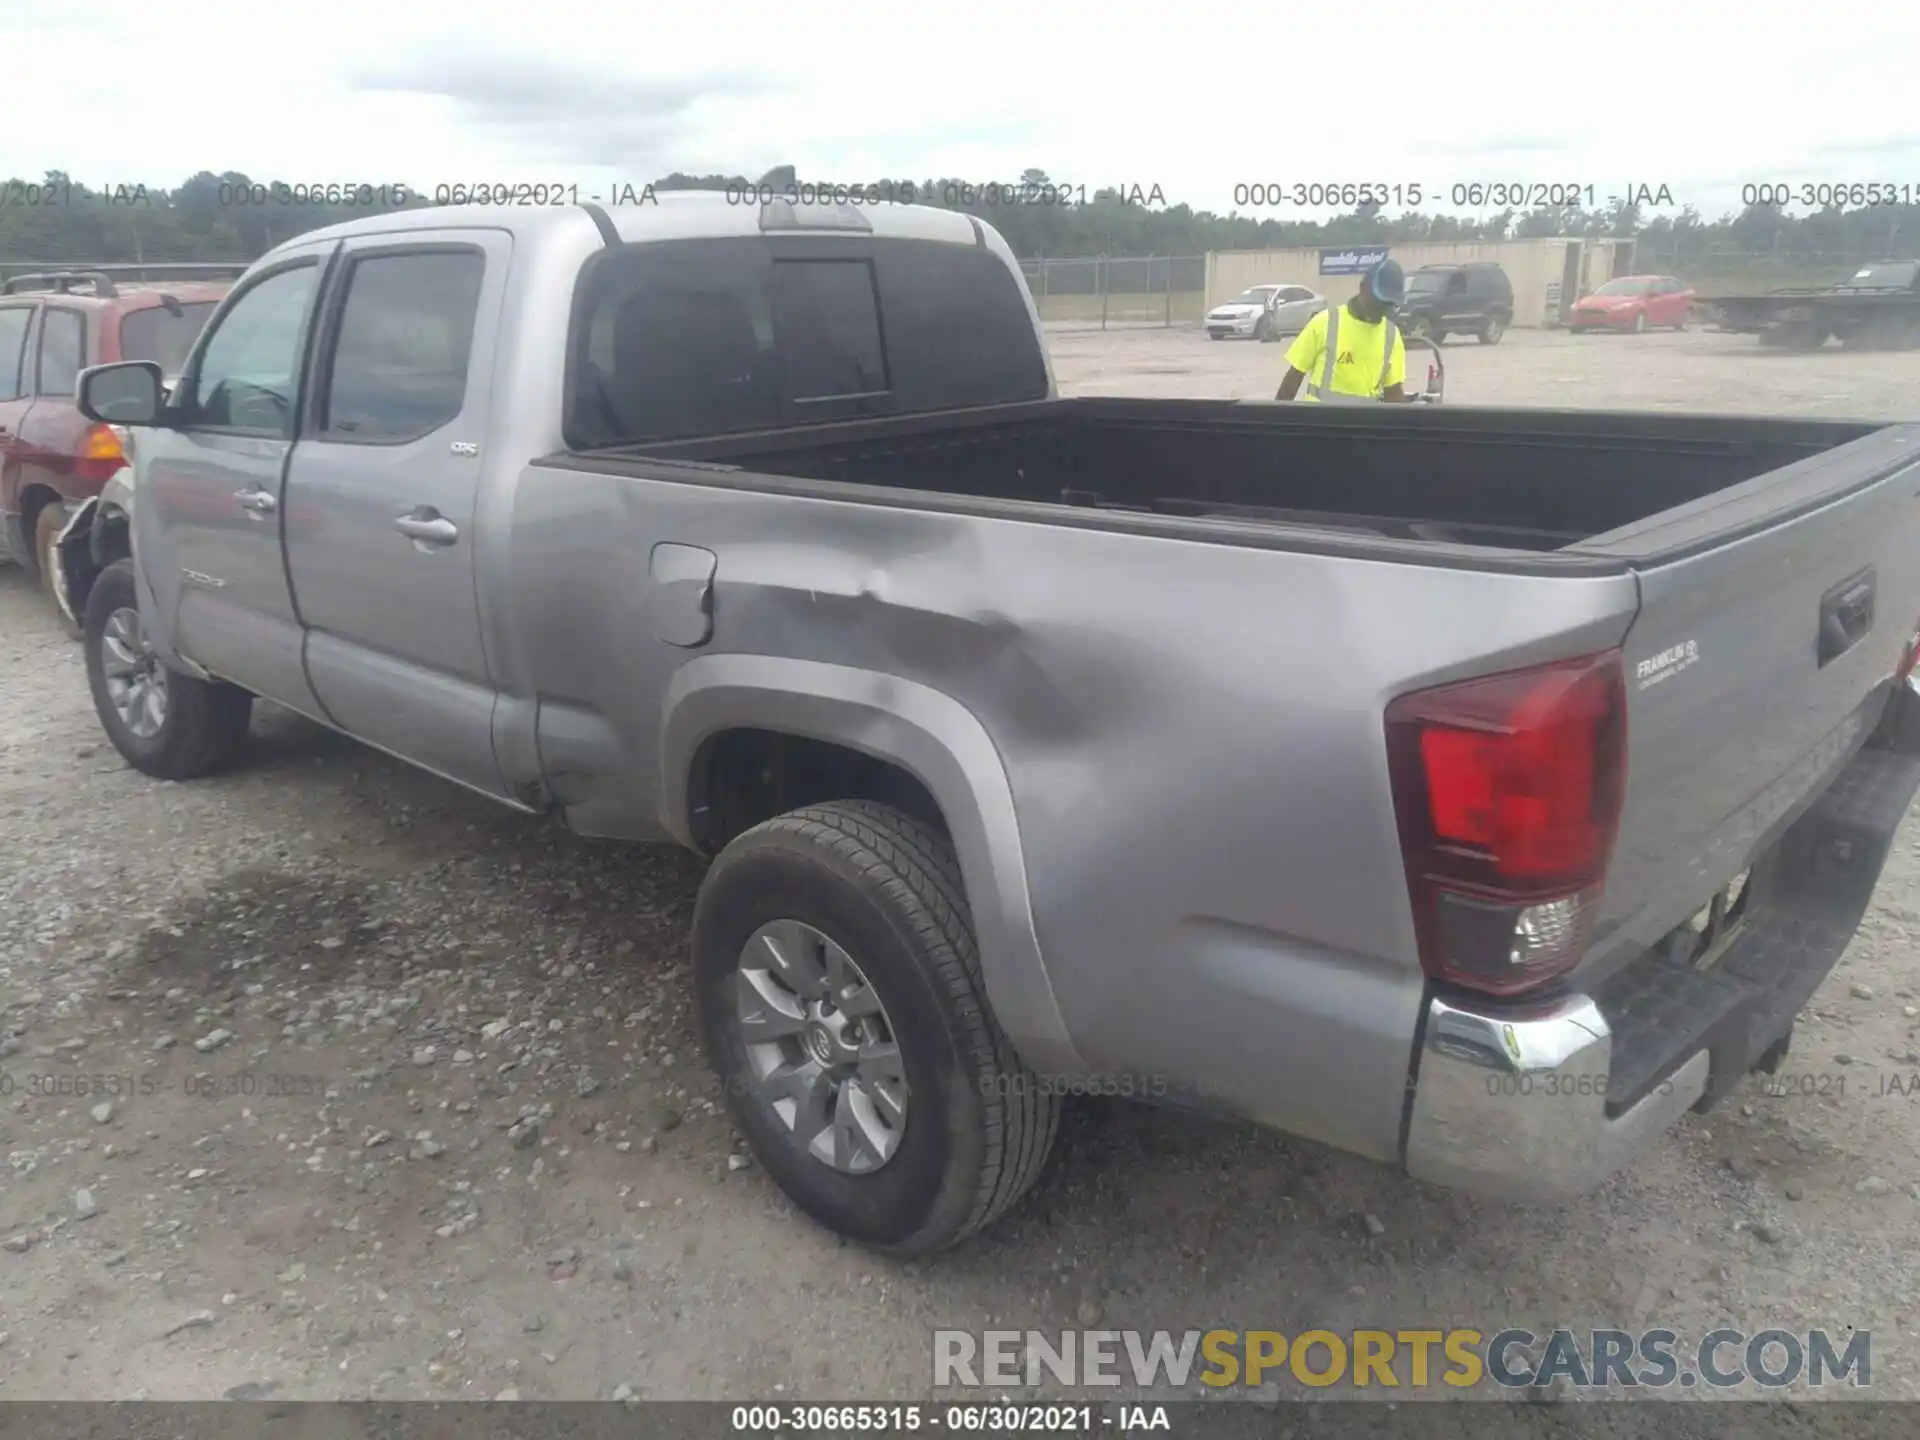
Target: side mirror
{"x": 129, "y": 393}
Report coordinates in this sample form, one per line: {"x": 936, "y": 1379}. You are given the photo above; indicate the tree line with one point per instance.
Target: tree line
{"x": 230, "y": 216}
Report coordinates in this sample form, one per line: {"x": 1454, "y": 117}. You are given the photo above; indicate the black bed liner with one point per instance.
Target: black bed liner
{"x": 1526, "y": 480}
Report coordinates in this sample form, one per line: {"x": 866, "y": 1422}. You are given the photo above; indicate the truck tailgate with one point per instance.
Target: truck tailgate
{"x": 1772, "y": 615}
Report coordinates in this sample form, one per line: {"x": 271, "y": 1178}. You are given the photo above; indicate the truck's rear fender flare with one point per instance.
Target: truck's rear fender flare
{"x": 932, "y": 737}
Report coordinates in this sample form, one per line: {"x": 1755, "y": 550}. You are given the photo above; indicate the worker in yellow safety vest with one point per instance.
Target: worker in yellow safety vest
{"x": 1353, "y": 354}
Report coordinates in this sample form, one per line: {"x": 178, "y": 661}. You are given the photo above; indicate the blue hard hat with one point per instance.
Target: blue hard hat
{"x": 1388, "y": 282}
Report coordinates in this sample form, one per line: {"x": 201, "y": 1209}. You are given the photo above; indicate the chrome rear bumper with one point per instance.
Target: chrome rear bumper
{"x": 1516, "y": 1109}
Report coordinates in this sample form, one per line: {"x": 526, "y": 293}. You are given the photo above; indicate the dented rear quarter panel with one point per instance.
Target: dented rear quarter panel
{"x": 1162, "y": 759}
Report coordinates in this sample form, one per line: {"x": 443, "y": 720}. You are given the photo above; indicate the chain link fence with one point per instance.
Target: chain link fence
{"x": 1105, "y": 292}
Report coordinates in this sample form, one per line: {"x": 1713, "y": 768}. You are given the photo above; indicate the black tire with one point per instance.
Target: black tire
{"x": 204, "y": 722}
{"x": 887, "y": 889}
{"x": 1491, "y": 329}
{"x": 1215, "y": 335}
{"x": 1262, "y": 330}
{"x": 47, "y": 526}
{"x": 1437, "y": 335}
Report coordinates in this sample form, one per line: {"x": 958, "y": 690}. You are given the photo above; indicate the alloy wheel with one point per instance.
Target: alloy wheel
{"x": 821, "y": 1053}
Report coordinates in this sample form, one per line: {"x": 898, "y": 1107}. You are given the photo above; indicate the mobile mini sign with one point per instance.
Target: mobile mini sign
{"x": 1350, "y": 262}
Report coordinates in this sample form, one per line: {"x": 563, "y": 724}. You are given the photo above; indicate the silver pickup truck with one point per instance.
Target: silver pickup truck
{"x": 1475, "y": 790}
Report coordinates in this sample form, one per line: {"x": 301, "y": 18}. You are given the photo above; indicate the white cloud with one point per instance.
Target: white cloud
{"x": 1194, "y": 99}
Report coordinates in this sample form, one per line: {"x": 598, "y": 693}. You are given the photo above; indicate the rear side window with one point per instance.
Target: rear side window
{"x": 13, "y": 348}
{"x": 159, "y": 335}
{"x": 399, "y": 364}
{"x": 62, "y": 345}
{"x": 678, "y": 339}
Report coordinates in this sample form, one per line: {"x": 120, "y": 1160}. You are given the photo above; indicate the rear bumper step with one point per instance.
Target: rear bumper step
{"x": 1806, "y": 900}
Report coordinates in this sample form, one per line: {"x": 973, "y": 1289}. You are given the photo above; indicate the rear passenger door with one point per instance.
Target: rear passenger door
{"x": 1670, "y": 302}
{"x": 382, "y": 530}
{"x": 1459, "y": 307}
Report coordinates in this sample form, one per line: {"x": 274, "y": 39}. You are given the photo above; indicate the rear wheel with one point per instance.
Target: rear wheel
{"x": 841, "y": 999}
{"x": 1491, "y": 329}
{"x": 168, "y": 725}
{"x": 46, "y": 535}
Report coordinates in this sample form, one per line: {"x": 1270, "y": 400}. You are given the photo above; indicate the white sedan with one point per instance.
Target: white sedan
{"x": 1265, "y": 312}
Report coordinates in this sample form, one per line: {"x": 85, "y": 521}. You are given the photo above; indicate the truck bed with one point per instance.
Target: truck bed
{"x": 1219, "y": 668}
{"x": 1516, "y": 480}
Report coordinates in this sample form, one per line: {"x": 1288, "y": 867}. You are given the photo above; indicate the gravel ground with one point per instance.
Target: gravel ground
{"x": 410, "y": 1105}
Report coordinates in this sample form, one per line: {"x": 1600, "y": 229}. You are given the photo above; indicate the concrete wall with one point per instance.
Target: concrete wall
{"x": 1534, "y": 266}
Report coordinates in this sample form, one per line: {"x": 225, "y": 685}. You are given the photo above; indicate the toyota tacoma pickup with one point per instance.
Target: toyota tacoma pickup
{"x": 1476, "y": 790}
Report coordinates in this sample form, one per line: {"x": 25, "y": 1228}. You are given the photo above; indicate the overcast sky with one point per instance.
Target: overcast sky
{"x": 1195, "y": 98}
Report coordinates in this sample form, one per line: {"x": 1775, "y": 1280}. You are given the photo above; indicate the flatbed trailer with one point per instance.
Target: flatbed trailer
{"x": 1876, "y": 308}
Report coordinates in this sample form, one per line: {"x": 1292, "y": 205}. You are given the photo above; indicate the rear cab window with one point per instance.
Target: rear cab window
{"x": 677, "y": 339}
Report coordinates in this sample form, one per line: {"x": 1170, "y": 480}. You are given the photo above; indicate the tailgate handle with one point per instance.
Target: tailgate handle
{"x": 1846, "y": 615}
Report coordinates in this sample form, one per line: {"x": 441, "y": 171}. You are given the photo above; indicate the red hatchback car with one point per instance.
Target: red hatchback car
{"x": 52, "y": 326}
{"x": 1635, "y": 303}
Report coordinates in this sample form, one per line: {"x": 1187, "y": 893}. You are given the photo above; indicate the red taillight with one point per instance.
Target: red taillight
{"x": 101, "y": 453}
{"x": 1509, "y": 789}
{"x": 1909, "y": 658}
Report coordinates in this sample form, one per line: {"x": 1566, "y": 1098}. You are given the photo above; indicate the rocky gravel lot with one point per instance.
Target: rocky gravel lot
{"x": 324, "y": 1079}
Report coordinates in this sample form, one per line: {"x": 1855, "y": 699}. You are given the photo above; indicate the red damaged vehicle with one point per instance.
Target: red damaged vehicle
{"x": 1634, "y": 303}
{"x": 52, "y": 326}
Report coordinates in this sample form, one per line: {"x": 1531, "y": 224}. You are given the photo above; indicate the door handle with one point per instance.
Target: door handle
{"x": 257, "y": 501}
{"x": 427, "y": 526}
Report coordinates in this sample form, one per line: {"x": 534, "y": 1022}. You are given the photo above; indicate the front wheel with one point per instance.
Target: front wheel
{"x": 841, "y": 1000}
{"x": 168, "y": 725}
{"x": 1263, "y": 330}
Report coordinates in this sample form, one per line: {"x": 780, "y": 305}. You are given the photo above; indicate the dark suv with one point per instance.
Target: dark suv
{"x": 1442, "y": 300}
{"x": 52, "y": 326}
